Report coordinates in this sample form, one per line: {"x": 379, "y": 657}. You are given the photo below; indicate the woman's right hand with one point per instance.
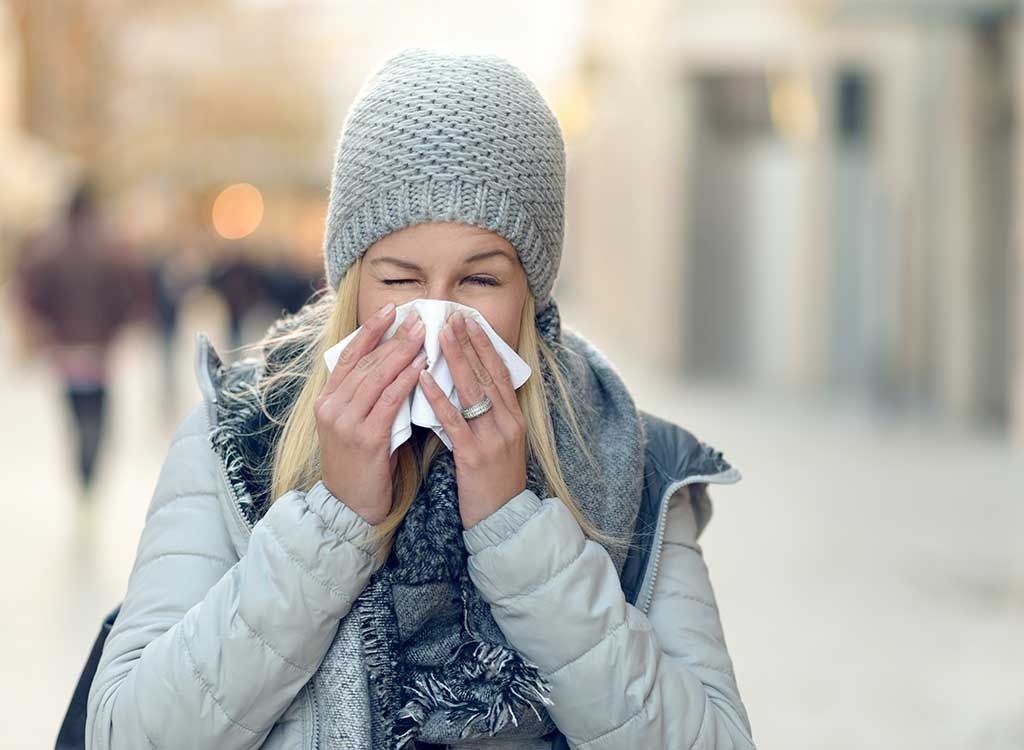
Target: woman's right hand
{"x": 357, "y": 407}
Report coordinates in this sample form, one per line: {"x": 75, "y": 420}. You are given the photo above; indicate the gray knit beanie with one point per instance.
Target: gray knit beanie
{"x": 448, "y": 137}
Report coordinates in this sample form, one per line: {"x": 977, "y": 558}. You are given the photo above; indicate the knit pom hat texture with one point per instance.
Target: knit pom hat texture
{"x": 436, "y": 136}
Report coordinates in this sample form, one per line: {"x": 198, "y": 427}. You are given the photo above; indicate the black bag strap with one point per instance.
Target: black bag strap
{"x": 72, "y": 731}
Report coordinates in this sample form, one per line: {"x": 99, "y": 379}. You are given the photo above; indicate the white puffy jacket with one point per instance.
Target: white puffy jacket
{"x": 223, "y": 625}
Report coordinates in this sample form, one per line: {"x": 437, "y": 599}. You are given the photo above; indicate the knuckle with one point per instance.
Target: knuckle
{"x": 340, "y": 425}
{"x": 376, "y": 376}
{"x": 389, "y": 397}
{"x": 367, "y": 362}
{"x": 345, "y": 358}
{"x": 327, "y": 407}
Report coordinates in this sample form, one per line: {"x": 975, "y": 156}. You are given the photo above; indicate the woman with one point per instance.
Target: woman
{"x": 540, "y": 585}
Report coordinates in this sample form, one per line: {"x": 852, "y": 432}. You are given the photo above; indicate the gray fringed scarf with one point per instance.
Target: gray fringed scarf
{"x": 420, "y": 657}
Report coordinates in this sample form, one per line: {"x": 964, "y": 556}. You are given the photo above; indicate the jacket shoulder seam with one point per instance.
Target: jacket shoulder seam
{"x": 692, "y": 598}
{"x": 180, "y": 496}
{"x": 700, "y": 632}
{"x": 187, "y": 436}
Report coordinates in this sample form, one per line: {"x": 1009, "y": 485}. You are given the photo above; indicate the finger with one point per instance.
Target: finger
{"x": 350, "y": 386}
{"x": 495, "y": 366}
{"x": 382, "y": 415}
{"x": 467, "y": 380}
{"x": 364, "y": 342}
{"x": 502, "y": 417}
{"x": 451, "y": 420}
{"x": 381, "y": 375}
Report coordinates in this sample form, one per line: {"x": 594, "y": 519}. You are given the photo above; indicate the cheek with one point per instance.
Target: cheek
{"x": 505, "y": 323}
{"x": 362, "y": 307}
{"x": 369, "y": 302}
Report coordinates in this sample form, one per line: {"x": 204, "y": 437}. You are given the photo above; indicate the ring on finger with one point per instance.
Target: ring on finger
{"x": 475, "y": 410}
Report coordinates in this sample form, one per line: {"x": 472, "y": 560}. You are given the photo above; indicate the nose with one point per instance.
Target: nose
{"x": 438, "y": 291}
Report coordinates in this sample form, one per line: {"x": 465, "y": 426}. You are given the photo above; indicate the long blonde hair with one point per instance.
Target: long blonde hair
{"x": 332, "y": 316}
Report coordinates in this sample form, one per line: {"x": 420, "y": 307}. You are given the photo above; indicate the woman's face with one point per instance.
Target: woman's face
{"x": 446, "y": 261}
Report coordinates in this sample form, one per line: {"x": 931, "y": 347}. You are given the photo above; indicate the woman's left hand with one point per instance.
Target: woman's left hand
{"x": 490, "y": 450}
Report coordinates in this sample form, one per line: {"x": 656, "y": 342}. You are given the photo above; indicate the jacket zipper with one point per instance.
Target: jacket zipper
{"x": 654, "y": 561}
{"x": 314, "y": 714}
{"x": 236, "y": 505}
{"x": 236, "y": 502}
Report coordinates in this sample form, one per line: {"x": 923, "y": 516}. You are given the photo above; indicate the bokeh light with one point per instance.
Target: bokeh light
{"x": 237, "y": 211}
{"x": 793, "y": 109}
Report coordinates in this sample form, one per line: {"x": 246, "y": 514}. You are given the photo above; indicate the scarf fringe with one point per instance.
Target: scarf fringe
{"x": 239, "y": 416}
{"x": 522, "y": 684}
{"x": 518, "y": 681}
{"x": 377, "y": 629}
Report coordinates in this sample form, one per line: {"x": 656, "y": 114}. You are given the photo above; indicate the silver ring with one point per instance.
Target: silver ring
{"x": 475, "y": 410}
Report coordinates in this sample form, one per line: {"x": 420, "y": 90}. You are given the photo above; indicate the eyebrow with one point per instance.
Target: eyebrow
{"x": 472, "y": 258}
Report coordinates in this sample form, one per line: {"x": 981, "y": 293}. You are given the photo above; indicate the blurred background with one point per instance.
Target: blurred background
{"x": 794, "y": 226}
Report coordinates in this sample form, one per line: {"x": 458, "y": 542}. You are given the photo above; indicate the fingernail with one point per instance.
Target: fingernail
{"x": 418, "y": 328}
{"x": 472, "y": 325}
{"x": 410, "y": 319}
{"x": 426, "y": 377}
{"x": 418, "y": 362}
{"x": 386, "y": 309}
{"x": 448, "y": 332}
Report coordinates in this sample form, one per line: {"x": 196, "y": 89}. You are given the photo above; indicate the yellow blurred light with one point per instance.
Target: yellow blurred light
{"x": 238, "y": 211}
{"x": 572, "y": 109}
{"x": 793, "y": 108}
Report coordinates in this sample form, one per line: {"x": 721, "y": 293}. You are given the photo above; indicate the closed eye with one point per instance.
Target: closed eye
{"x": 480, "y": 280}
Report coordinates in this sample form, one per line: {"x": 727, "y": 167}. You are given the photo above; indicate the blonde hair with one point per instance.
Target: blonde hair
{"x": 332, "y": 316}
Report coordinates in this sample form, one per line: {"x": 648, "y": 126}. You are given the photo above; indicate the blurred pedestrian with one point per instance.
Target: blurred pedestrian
{"x": 172, "y": 277}
{"x": 239, "y": 282}
{"x": 77, "y": 284}
{"x": 289, "y": 286}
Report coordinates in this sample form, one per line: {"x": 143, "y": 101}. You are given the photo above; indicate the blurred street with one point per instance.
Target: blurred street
{"x": 870, "y": 575}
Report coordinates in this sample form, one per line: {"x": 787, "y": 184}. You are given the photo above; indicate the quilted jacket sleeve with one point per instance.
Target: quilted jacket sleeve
{"x": 209, "y": 650}
{"x": 620, "y": 678}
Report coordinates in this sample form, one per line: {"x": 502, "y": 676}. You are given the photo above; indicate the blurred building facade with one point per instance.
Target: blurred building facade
{"x": 33, "y": 169}
{"x": 804, "y": 196}
{"x": 811, "y": 196}
{"x": 167, "y": 103}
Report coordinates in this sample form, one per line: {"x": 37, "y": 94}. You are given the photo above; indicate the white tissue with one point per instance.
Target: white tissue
{"x": 417, "y": 409}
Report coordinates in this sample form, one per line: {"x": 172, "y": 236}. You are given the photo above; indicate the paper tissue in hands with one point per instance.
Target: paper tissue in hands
{"x": 417, "y": 409}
